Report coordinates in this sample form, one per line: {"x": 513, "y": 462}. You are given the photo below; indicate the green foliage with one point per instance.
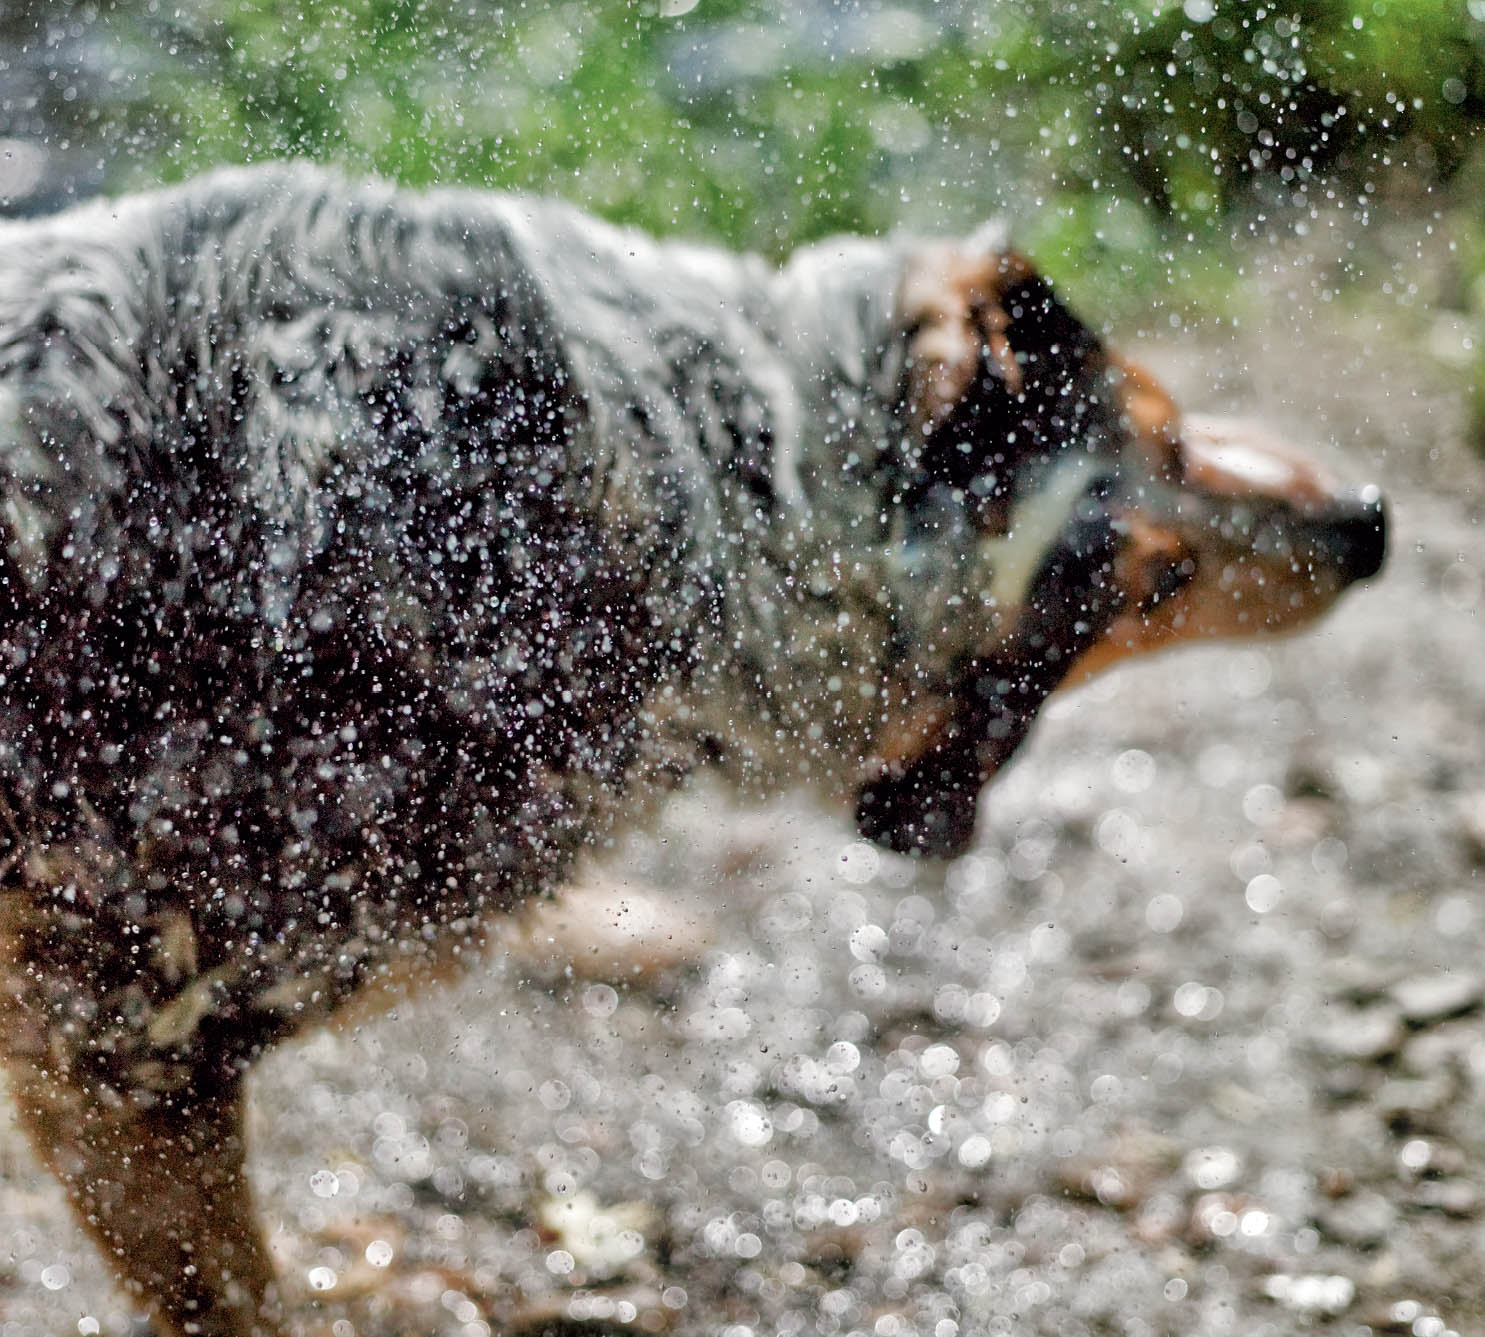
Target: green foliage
{"x": 1115, "y": 135}
{"x": 1196, "y": 111}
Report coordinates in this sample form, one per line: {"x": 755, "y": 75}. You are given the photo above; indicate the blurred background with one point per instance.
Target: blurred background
{"x": 1194, "y": 1041}
{"x": 1129, "y": 142}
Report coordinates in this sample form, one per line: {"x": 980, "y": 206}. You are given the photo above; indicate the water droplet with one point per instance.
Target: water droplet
{"x": 379, "y": 1253}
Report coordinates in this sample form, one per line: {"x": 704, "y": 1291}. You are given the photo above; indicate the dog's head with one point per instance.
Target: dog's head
{"x": 1100, "y": 524}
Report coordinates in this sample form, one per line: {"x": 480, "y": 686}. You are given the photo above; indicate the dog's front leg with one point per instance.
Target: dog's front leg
{"x": 163, "y": 1190}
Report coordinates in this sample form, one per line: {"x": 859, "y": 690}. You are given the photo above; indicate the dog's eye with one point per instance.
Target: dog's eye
{"x": 1171, "y": 578}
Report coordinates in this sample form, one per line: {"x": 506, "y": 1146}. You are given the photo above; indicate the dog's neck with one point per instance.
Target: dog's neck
{"x": 742, "y": 414}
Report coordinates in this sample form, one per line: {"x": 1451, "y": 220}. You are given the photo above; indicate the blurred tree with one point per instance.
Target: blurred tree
{"x": 1122, "y": 138}
{"x": 766, "y": 128}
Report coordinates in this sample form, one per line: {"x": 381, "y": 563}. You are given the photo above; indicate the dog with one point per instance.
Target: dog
{"x": 368, "y": 555}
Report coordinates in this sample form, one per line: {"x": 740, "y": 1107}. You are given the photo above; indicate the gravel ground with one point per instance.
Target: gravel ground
{"x": 1191, "y": 1043}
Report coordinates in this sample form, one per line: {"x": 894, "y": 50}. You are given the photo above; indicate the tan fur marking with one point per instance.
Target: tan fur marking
{"x": 151, "y": 1182}
{"x": 902, "y": 741}
{"x": 954, "y": 299}
{"x": 1152, "y": 415}
{"x": 1148, "y": 549}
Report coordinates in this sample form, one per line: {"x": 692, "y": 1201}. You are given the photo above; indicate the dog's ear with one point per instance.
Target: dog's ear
{"x": 952, "y": 304}
{"x": 1000, "y": 376}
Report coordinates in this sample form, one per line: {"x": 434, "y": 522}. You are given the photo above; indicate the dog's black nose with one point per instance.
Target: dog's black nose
{"x": 1362, "y": 534}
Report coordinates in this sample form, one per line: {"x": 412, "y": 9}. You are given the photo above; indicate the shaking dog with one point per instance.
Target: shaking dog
{"x": 369, "y": 555}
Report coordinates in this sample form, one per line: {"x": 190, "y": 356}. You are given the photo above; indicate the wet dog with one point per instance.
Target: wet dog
{"x": 367, "y": 556}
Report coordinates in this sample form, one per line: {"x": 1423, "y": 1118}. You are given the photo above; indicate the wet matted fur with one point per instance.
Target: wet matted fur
{"x": 370, "y": 554}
